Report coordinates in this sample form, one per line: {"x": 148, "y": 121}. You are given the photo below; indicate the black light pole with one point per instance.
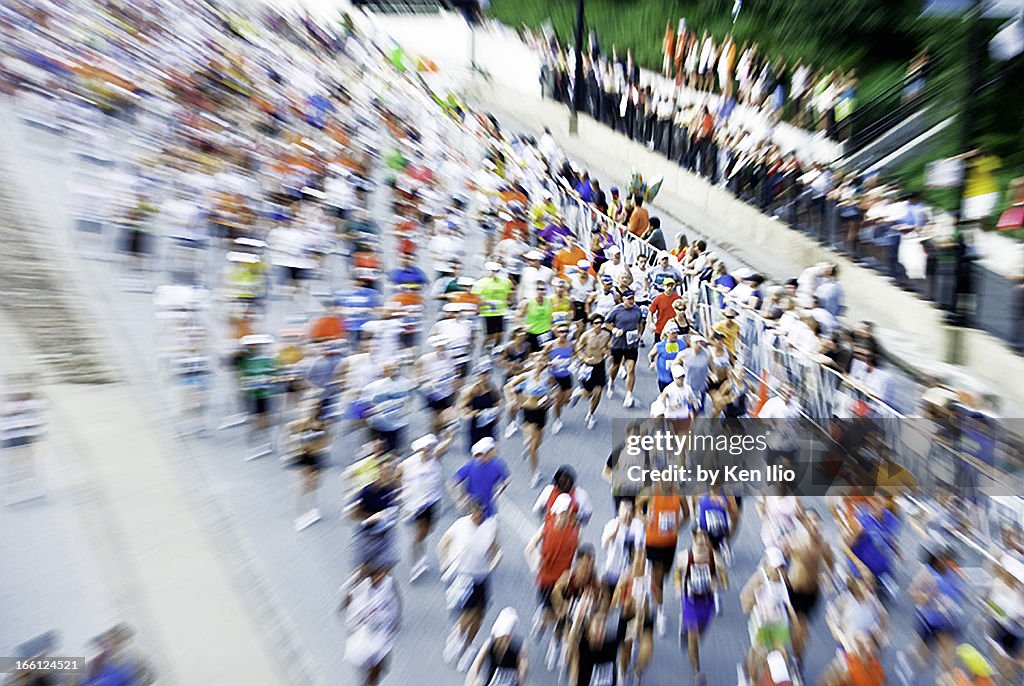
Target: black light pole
{"x": 577, "y": 91}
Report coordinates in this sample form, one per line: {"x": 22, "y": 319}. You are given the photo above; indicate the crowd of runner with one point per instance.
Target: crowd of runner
{"x": 283, "y": 156}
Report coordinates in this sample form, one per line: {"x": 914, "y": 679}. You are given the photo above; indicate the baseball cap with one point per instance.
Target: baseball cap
{"x": 614, "y": 190}
{"x": 774, "y": 557}
{"x": 607, "y": 278}
{"x": 614, "y": 250}
{"x": 669, "y": 282}
{"x": 505, "y": 623}
{"x": 678, "y": 371}
{"x": 562, "y": 504}
{"x": 424, "y": 442}
{"x": 492, "y": 266}
{"x": 628, "y": 294}
{"x": 583, "y": 264}
{"x": 730, "y": 312}
{"x": 482, "y": 446}
{"x": 533, "y": 255}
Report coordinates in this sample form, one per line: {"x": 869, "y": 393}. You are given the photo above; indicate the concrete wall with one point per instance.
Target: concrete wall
{"x": 913, "y": 329}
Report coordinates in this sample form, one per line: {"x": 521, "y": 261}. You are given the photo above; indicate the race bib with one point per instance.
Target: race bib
{"x": 700, "y": 579}
{"x": 544, "y": 337}
{"x": 632, "y": 337}
{"x": 504, "y": 676}
{"x": 603, "y": 674}
{"x": 717, "y": 525}
{"x": 666, "y": 522}
{"x": 487, "y": 416}
{"x": 585, "y": 371}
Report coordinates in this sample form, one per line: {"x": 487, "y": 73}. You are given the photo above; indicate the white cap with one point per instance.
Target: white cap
{"x": 743, "y": 273}
{"x": 774, "y": 557}
{"x": 492, "y": 266}
{"x": 436, "y": 341}
{"x": 562, "y": 504}
{"x": 583, "y": 264}
{"x": 777, "y": 667}
{"x": 505, "y": 623}
{"x": 424, "y": 442}
{"x": 484, "y": 445}
{"x": 678, "y": 371}
{"x": 534, "y": 255}
{"x": 614, "y": 250}
{"x": 451, "y": 307}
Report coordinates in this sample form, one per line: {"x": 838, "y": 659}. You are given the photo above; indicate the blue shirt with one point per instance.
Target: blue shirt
{"x": 410, "y": 274}
{"x": 874, "y": 546}
{"x": 358, "y": 305}
{"x": 661, "y": 362}
{"x": 585, "y": 190}
{"x": 830, "y": 295}
{"x": 480, "y": 479}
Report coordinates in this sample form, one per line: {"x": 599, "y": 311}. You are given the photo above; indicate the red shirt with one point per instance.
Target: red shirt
{"x": 557, "y": 550}
{"x": 661, "y": 308}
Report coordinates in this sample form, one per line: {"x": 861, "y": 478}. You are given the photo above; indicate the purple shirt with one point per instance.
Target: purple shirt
{"x": 480, "y": 479}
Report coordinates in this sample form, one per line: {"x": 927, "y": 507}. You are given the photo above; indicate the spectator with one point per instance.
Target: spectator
{"x": 639, "y": 218}
{"x": 654, "y": 236}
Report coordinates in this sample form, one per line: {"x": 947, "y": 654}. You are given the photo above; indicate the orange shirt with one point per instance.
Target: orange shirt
{"x": 639, "y": 220}
{"x": 665, "y": 514}
{"x": 567, "y": 257}
{"x": 327, "y": 328}
{"x": 865, "y": 671}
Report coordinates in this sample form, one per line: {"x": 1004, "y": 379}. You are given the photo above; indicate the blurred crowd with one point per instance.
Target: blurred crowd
{"x": 442, "y": 294}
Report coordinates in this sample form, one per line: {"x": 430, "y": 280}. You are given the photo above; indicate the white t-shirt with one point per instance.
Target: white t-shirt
{"x": 613, "y": 270}
{"x": 618, "y": 550}
{"x": 677, "y": 401}
{"x": 530, "y": 277}
{"x": 471, "y": 546}
{"x": 422, "y": 482}
{"x": 582, "y": 498}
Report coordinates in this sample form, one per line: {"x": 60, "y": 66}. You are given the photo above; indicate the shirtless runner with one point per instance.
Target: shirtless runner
{"x": 592, "y": 349}
{"x": 810, "y": 560}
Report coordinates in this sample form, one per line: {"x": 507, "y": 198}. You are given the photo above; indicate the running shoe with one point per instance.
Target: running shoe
{"x": 556, "y": 426}
{"x": 591, "y": 421}
{"x": 453, "y": 646}
{"x": 629, "y": 400}
{"x": 511, "y": 429}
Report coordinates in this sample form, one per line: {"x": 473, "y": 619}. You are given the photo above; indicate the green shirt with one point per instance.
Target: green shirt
{"x": 493, "y": 291}
{"x": 538, "y": 316}
{"x": 258, "y": 376}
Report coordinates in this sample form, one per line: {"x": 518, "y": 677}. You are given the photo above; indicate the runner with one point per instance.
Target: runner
{"x": 938, "y": 594}
{"x": 533, "y": 387}
{"x": 718, "y": 516}
{"x": 482, "y": 479}
{"x": 373, "y": 616}
{"x": 633, "y": 595}
{"x": 481, "y": 404}
{"x": 698, "y": 577}
{"x": 435, "y": 372}
{"x": 665, "y": 512}
{"x": 810, "y": 560}
{"x": 603, "y": 300}
{"x": 536, "y": 315}
{"x": 502, "y": 658}
{"x": 661, "y": 310}
{"x": 375, "y": 510}
{"x": 495, "y": 292}
{"x": 550, "y": 552}
{"x": 513, "y": 359}
{"x": 559, "y": 353}
{"x": 592, "y": 349}
{"x": 564, "y": 481}
{"x": 765, "y": 597}
{"x": 314, "y": 442}
{"x": 663, "y": 355}
{"x": 582, "y": 285}
{"x": 468, "y": 553}
{"x": 1006, "y": 607}
{"x": 422, "y": 488}
{"x": 594, "y": 644}
{"x": 641, "y": 286}
{"x": 387, "y": 401}
{"x": 624, "y": 322}
{"x": 577, "y": 587}
{"x": 622, "y": 539}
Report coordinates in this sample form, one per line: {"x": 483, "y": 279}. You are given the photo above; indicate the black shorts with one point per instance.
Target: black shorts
{"x": 441, "y": 404}
{"x": 407, "y": 339}
{"x": 544, "y": 596}
{"x": 259, "y": 405}
{"x": 620, "y": 354}
{"x": 295, "y": 274}
{"x": 392, "y": 439}
{"x": 598, "y": 377}
{"x": 534, "y": 340}
{"x": 477, "y": 599}
{"x": 136, "y": 242}
{"x": 493, "y": 325}
{"x": 579, "y": 312}
{"x": 564, "y": 382}
{"x": 664, "y": 554}
{"x": 804, "y": 603}
{"x": 1010, "y": 642}
{"x": 535, "y": 415}
{"x": 313, "y": 461}
{"x": 426, "y": 514}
